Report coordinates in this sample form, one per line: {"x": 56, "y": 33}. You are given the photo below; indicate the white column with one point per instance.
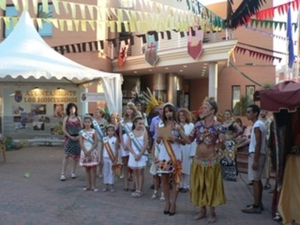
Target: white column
{"x": 213, "y": 80}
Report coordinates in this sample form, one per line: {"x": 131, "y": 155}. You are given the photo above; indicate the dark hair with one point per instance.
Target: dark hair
{"x": 213, "y": 104}
{"x": 90, "y": 118}
{"x": 229, "y": 111}
{"x": 239, "y": 121}
{"x": 110, "y": 126}
{"x": 171, "y": 108}
{"x": 255, "y": 109}
{"x": 69, "y": 106}
{"x": 137, "y": 118}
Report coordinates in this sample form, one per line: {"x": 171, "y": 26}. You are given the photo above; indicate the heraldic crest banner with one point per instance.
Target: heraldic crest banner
{"x": 122, "y": 53}
{"x": 151, "y": 50}
{"x": 195, "y": 43}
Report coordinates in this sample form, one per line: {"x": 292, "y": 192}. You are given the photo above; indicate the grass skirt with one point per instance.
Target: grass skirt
{"x": 206, "y": 183}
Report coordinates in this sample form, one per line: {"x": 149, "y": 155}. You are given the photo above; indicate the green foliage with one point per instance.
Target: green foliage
{"x": 240, "y": 107}
{"x": 267, "y": 86}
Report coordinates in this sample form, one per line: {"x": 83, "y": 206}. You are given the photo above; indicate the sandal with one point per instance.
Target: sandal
{"x": 154, "y": 196}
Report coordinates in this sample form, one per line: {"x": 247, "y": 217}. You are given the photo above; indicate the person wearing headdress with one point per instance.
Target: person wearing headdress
{"x": 154, "y": 105}
{"x": 207, "y": 188}
{"x": 139, "y": 102}
{"x": 169, "y": 158}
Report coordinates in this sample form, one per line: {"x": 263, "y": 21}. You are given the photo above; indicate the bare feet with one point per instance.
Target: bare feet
{"x": 200, "y": 216}
{"x": 211, "y": 219}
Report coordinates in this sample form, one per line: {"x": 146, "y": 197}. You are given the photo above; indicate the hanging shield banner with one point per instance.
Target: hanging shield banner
{"x": 195, "y": 43}
{"x": 151, "y": 50}
{"x": 122, "y": 53}
{"x": 18, "y": 96}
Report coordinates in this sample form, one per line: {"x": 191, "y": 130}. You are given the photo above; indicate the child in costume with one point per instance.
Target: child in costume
{"x": 89, "y": 157}
{"x": 109, "y": 157}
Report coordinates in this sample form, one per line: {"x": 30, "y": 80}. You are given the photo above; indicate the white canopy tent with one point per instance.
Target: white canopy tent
{"x": 26, "y": 58}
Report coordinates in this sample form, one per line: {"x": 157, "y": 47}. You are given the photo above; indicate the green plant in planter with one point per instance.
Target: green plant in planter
{"x": 240, "y": 107}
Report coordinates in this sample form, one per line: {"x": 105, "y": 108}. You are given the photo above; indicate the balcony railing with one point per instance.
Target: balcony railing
{"x": 176, "y": 41}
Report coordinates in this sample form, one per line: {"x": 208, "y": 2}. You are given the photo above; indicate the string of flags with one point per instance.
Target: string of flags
{"x": 194, "y": 47}
{"x": 157, "y": 17}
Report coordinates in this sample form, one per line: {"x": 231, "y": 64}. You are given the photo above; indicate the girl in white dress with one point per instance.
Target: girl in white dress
{"x": 188, "y": 150}
{"x": 89, "y": 157}
{"x": 129, "y": 115}
{"x": 137, "y": 159}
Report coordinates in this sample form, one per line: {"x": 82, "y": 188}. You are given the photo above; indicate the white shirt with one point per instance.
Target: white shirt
{"x": 263, "y": 130}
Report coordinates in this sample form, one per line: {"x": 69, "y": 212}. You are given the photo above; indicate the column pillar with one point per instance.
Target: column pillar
{"x": 174, "y": 88}
{"x": 213, "y": 80}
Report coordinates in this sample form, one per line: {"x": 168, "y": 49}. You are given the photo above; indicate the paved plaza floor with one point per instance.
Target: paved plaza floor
{"x": 42, "y": 199}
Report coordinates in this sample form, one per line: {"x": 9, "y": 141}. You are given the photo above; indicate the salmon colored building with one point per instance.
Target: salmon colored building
{"x": 176, "y": 77}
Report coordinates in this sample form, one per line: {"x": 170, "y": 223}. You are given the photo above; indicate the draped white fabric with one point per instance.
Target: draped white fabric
{"x": 26, "y": 57}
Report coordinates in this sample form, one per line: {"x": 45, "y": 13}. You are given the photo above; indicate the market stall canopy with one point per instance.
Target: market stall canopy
{"x": 26, "y": 57}
{"x": 285, "y": 95}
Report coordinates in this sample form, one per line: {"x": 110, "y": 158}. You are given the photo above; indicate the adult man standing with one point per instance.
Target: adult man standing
{"x": 257, "y": 157}
{"x": 207, "y": 188}
{"x": 155, "y": 121}
{"x": 267, "y": 172}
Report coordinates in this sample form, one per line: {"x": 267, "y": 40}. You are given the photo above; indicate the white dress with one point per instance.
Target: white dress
{"x": 123, "y": 152}
{"x": 187, "y": 150}
{"x": 132, "y": 163}
{"x": 164, "y": 164}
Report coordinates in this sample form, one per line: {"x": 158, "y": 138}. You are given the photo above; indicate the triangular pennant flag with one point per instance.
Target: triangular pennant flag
{"x": 45, "y": 6}
{"x": 56, "y": 7}
{"x": 55, "y": 23}
{"x": 69, "y": 25}
{"x": 73, "y": 9}
{"x": 82, "y": 10}
{"x": 61, "y": 25}
{"x": 65, "y": 4}
{"x": 91, "y": 10}
{"x": 76, "y": 22}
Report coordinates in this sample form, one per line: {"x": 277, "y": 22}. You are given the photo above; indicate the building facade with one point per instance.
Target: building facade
{"x": 176, "y": 77}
